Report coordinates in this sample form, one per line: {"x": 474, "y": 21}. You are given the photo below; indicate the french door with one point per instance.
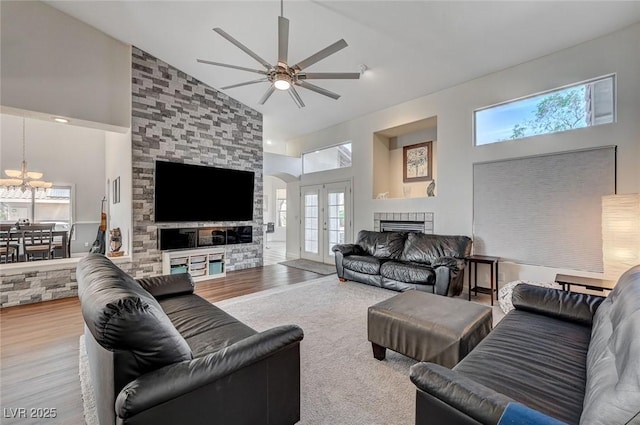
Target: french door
{"x": 326, "y": 219}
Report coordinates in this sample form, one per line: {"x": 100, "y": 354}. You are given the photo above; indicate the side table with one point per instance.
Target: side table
{"x": 594, "y": 284}
{"x": 493, "y": 263}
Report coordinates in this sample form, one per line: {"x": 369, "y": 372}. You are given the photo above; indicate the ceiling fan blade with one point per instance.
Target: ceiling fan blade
{"x": 329, "y": 75}
{"x": 317, "y": 89}
{"x": 283, "y": 39}
{"x": 296, "y": 97}
{"x": 241, "y": 68}
{"x": 267, "y": 94}
{"x": 243, "y": 47}
{"x": 246, "y": 83}
{"x": 317, "y": 57}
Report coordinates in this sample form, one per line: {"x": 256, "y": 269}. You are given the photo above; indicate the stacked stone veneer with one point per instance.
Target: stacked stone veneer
{"x": 175, "y": 118}
{"x": 25, "y": 287}
{"x": 178, "y": 118}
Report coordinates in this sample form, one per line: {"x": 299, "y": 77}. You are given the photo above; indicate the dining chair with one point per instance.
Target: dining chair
{"x": 8, "y": 244}
{"x": 72, "y": 229}
{"x": 37, "y": 240}
{"x": 57, "y": 245}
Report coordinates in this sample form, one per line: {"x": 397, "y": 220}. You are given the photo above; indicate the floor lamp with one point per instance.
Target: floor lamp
{"x": 620, "y": 234}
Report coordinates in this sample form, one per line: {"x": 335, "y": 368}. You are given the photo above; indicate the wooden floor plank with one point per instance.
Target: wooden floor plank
{"x": 39, "y": 343}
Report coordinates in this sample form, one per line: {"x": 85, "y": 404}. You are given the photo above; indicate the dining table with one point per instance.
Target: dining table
{"x": 16, "y": 234}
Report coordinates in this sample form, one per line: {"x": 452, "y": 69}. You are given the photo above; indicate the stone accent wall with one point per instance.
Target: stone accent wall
{"x": 178, "y": 118}
{"x": 175, "y": 118}
{"x": 22, "y": 287}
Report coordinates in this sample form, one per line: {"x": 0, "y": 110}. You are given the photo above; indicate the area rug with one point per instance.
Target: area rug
{"x": 88, "y": 396}
{"x": 312, "y": 266}
{"x": 341, "y": 382}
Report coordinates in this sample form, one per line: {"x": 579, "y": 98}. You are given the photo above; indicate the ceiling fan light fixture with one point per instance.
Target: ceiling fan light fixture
{"x": 282, "y": 82}
{"x": 281, "y": 76}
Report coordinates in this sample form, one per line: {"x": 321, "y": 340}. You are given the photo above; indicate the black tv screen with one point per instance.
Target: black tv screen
{"x": 185, "y": 192}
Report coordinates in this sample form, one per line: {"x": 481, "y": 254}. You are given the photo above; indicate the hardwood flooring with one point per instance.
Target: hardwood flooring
{"x": 39, "y": 345}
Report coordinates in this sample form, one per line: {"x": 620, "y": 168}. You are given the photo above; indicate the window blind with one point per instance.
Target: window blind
{"x": 544, "y": 210}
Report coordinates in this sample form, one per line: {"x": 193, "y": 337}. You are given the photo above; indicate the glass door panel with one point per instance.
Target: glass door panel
{"x": 311, "y": 236}
{"x": 326, "y": 212}
{"x": 337, "y": 210}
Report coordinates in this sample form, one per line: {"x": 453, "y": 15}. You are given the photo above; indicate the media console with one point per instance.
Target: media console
{"x": 200, "y": 251}
{"x": 203, "y": 237}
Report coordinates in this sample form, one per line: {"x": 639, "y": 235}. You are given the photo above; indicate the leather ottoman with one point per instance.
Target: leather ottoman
{"x": 427, "y": 327}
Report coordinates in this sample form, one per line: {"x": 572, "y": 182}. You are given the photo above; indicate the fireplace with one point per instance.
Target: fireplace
{"x": 401, "y": 226}
{"x": 403, "y": 222}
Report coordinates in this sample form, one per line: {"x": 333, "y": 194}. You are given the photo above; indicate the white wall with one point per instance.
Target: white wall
{"x": 118, "y": 164}
{"x": 53, "y": 64}
{"x": 284, "y": 167}
{"x": 271, "y": 185}
{"x": 616, "y": 53}
{"x": 66, "y": 154}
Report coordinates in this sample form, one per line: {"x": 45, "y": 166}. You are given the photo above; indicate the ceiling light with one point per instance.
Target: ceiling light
{"x": 282, "y": 82}
{"x": 269, "y": 142}
{"x": 61, "y": 120}
{"x": 23, "y": 179}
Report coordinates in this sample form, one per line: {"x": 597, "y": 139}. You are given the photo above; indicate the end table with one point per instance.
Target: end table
{"x": 483, "y": 259}
{"x": 594, "y": 284}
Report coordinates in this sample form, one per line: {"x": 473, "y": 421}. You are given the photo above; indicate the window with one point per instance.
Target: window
{"x": 281, "y": 207}
{"x": 580, "y": 105}
{"x": 49, "y": 206}
{"x": 327, "y": 159}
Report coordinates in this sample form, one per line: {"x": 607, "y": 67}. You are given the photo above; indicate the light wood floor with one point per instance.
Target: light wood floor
{"x": 39, "y": 345}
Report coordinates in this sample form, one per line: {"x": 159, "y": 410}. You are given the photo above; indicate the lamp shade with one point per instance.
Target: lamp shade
{"x": 620, "y": 234}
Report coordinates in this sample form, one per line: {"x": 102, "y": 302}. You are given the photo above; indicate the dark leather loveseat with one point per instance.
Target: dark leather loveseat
{"x": 403, "y": 261}
{"x": 559, "y": 357}
{"x": 159, "y": 354}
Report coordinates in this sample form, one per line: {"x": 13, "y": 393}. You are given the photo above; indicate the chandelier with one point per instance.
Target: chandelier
{"x": 23, "y": 179}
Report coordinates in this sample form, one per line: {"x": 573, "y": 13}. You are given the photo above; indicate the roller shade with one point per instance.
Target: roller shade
{"x": 544, "y": 210}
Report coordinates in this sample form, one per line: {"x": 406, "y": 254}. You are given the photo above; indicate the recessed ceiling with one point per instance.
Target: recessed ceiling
{"x": 412, "y": 48}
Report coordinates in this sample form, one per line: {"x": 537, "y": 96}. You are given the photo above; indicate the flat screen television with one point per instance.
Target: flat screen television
{"x": 185, "y": 192}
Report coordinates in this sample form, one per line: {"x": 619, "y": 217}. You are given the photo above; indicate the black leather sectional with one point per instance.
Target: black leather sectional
{"x": 401, "y": 261}
{"x": 559, "y": 357}
{"x": 159, "y": 354}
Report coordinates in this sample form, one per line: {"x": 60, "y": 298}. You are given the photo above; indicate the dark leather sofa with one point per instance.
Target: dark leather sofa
{"x": 559, "y": 357}
{"x": 159, "y": 354}
{"x": 401, "y": 261}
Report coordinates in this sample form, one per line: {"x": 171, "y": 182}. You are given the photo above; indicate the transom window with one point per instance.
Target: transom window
{"x": 580, "y": 105}
{"x": 327, "y": 159}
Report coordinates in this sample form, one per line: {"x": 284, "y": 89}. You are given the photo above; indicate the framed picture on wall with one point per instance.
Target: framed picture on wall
{"x": 417, "y": 162}
{"x": 116, "y": 190}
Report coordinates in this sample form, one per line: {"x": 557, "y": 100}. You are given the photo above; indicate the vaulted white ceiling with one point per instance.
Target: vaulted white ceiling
{"x": 412, "y": 48}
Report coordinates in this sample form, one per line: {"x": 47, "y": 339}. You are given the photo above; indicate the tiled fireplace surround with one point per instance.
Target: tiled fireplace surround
{"x": 423, "y": 217}
{"x": 175, "y": 118}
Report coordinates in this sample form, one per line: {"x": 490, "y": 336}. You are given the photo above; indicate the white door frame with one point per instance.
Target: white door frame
{"x": 324, "y": 253}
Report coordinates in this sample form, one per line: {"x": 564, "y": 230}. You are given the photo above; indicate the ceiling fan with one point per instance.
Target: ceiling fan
{"x": 282, "y": 76}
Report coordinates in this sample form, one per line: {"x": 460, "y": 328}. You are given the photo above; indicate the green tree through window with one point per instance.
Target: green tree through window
{"x": 559, "y": 111}
{"x": 569, "y": 108}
